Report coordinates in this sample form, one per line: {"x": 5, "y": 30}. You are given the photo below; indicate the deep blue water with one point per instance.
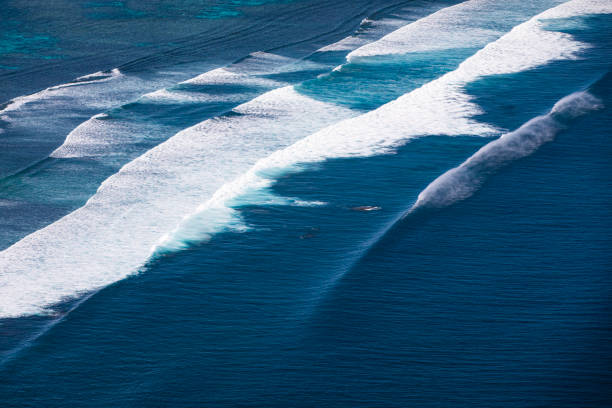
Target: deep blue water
{"x": 300, "y": 297}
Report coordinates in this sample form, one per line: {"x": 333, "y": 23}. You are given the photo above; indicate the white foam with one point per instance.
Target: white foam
{"x": 172, "y": 96}
{"x": 367, "y": 30}
{"x": 262, "y": 63}
{"x": 461, "y": 182}
{"x": 467, "y": 24}
{"x": 237, "y": 74}
{"x": 103, "y": 137}
{"x": 57, "y": 90}
{"x": 450, "y": 27}
{"x": 96, "y": 137}
{"x": 225, "y": 76}
{"x": 111, "y": 236}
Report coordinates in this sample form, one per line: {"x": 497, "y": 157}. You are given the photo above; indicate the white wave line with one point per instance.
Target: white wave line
{"x": 461, "y": 182}
{"x": 20, "y": 101}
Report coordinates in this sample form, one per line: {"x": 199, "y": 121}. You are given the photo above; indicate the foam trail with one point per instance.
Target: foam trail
{"x": 53, "y": 91}
{"x": 371, "y": 29}
{"x": 461, "y": 182}
{"x": 460, "y": 26}
{"x": 112, "y": 235}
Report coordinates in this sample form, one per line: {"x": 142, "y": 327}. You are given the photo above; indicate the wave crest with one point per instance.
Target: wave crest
{"x": 461, "y": 182}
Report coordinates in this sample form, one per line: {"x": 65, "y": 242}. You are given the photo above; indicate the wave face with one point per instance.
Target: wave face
{"x": 461, "y": 182}
{"x": 184, "y": 190}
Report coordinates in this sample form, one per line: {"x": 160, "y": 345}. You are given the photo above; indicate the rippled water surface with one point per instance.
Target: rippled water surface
{"x": 305, "y": 203}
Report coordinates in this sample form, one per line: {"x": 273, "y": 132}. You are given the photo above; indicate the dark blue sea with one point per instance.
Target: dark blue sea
{"x": 306, "y": 203}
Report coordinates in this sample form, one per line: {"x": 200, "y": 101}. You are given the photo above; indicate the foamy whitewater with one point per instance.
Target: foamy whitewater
{"x": 461, "y": 182}
{"x": 58, "y": 90}
{"x": 184, "y": 189}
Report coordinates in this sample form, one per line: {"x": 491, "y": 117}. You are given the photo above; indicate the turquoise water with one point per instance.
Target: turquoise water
{"x": 406, "y": 210}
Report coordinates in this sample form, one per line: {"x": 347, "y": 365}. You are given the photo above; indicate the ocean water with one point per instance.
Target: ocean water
{"x": 306, "y": 203}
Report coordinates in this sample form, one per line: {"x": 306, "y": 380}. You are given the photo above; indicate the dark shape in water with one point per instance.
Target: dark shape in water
{"x": 366, "y": 208}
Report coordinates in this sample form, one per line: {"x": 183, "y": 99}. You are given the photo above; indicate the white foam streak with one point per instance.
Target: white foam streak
{"x": 57, "y": 90}
{"x": 367, "y": 29}
{"x": 463, "y": 181}
{"x": 225, "y": 76}
{"x": 97, "y": 136}
{"x": 450, "y": 27}
{"x": 170, "y": 96}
